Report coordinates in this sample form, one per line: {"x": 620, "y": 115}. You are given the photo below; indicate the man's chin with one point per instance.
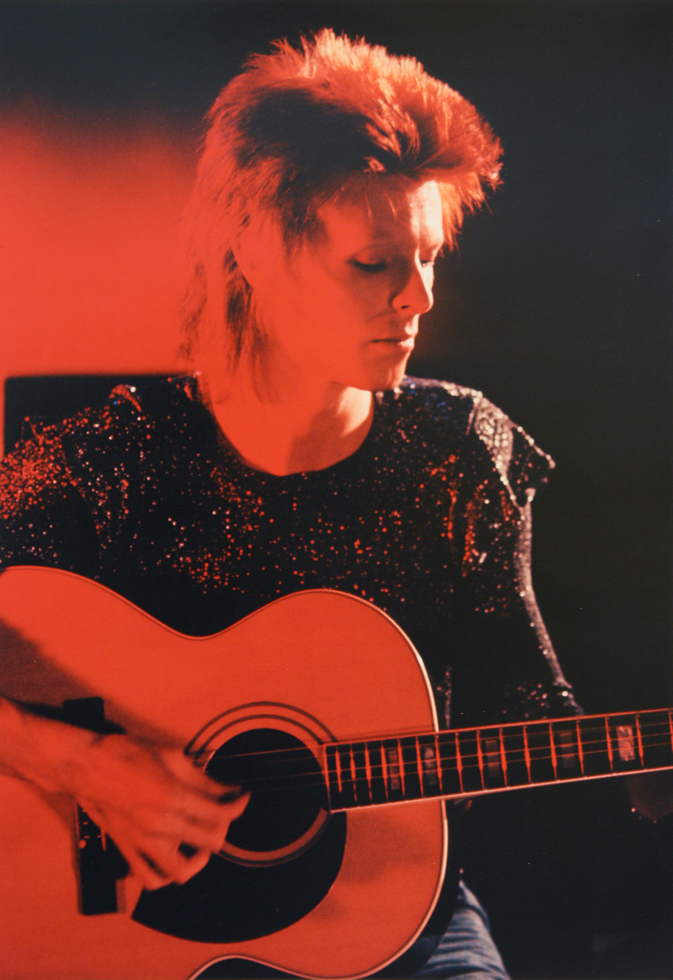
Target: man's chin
{"x": 386, "y": 377}
{"x": 394, "y": 377}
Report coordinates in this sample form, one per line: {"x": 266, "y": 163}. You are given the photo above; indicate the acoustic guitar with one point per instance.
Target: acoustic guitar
{"x": 320, "y": 706}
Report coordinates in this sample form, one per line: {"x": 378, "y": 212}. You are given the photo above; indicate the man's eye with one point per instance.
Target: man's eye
{"x": 370, "y": 266}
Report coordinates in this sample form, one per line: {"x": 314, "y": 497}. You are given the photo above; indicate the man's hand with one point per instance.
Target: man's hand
{"x": 652, "y": 793}
{"x": 165, "y": 816}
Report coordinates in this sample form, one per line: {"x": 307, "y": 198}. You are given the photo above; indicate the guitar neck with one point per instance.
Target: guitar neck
{"x": 497, "y": 757}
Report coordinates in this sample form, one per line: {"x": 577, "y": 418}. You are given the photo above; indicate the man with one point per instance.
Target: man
{"x": 298, "y": 455}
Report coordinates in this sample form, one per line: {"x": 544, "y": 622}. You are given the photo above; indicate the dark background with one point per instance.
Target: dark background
{"x": 557, "y": 304}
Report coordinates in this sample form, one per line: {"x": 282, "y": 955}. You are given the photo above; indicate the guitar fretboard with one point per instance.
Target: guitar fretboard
{"x": 497, "y": 757}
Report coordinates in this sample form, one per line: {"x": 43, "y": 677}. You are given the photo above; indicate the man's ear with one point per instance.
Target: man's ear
{"x": 254, "y": 248}
{"x": 244, "y": 253}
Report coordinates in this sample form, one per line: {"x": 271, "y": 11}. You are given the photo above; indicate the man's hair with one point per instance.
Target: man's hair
{"x": 300, "y": 127}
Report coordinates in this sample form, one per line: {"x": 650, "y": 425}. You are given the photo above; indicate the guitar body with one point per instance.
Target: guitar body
{"x": 331, "y": 895}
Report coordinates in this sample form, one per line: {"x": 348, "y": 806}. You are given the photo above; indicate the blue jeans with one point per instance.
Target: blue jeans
{"x": 466, "y": 951}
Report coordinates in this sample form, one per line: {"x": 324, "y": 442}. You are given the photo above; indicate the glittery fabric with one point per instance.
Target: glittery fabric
{"x": 429, "y": 519}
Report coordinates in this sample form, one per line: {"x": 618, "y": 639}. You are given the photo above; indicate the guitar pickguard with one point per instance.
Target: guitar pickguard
{"x": 229, "y": 902}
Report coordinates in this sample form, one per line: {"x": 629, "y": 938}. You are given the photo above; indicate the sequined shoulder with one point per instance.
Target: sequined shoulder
{"x": 449, "y": 415}
{"x": 171, "y": 399}
{"x": 130, "y": 416}
{"x": 424, "y": 412}
{"x": 518, "y": 460}
{"x": 108, "y": 450}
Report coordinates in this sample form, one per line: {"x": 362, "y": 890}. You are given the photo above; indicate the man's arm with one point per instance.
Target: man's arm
{"x": 163, "y": 814}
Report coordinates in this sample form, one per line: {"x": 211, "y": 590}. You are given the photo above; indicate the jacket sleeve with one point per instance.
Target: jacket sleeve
{"x": 505, "y": 662}
{"x": 44, "y": 518}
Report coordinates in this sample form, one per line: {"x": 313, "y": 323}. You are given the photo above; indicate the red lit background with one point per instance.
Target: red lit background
{"x": 558, "y": 305}
{"x": 89, "y": 277}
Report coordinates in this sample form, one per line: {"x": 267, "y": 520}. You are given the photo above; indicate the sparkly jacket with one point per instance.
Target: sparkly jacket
{"x": 429, "y": 520}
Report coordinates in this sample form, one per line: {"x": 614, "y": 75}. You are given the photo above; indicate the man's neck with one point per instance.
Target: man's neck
{"x": 294, "y": 431}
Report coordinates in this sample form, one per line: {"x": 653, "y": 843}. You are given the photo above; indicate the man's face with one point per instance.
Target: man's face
{"x": 343, "y": 312}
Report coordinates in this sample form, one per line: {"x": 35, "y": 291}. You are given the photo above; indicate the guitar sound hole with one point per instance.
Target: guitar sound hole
{"x": 285, "y": 782}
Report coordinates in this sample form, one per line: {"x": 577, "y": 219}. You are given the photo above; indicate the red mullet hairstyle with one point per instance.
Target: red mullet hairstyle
{"x": 298, "y": 128}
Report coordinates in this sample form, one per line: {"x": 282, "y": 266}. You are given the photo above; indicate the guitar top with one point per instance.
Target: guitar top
{"x": 320, "y": 707}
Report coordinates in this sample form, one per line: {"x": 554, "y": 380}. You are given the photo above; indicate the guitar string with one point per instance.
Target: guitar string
{"x": 447, "y": 739}
{"x": 313, "y": 778}
{"x": 424, "y": 791}
{"x": 536, "y": 754}
{"x": 317, "y": 781}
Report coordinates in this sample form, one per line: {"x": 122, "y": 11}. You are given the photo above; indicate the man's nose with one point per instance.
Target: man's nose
{"x": 414, "y": 291}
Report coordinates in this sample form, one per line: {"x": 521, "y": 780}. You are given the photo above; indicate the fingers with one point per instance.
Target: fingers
{"x": 198, "y": 826}
{"x": 227, "y": 812}
{"x": 235, "y": 808}
{"x": 165, "y": 816}
{"x": 157, "y": 865}
{"x": 184, "y": 769}
{"x": 200, "y": 808}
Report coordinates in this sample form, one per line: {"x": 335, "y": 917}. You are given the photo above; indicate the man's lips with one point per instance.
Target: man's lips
{"x": 404, "y": 342}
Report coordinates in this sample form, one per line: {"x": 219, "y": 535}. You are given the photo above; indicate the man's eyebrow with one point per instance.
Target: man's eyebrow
{"x": 388, "y": 240}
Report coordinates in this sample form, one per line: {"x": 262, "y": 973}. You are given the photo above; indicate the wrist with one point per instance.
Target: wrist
{"x": 43, "y": 751}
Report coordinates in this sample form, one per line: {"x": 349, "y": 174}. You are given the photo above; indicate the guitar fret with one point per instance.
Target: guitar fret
{"x": 347, "y": 784}
{"x": 580, "y": 748}
{"x": 429, "y": 759}
{"x": 657, "y": 739}
{"x": 596, "y": 758}
{"x": 449, "y": 763}
{"x": 338, "y": 771}
{"x": 539, "y": 747}
{"x": 384, "y": 770}
{"x": 333, "y": 778}
{"x": 368, "y": 768}
{"x": 395, "y": 776}
{"x": 459, "y": 764}
{"x": 400, "y": 767}
{"x": 517, "y": 758}
{"x": 419, "y": 765}
{"x": 503, "y": 756}
{"x": 553, "y": 752}
{"x": 624, "y": 738}
{"x": 412, "y": 779}
{"x": 527, "y": 752}
{"x": 455, "y": 763}
{"x": 639, "y": 734}
{"x": 491, "y": 756}
{"x": 376, "y": 768}
{"x": 566, "y": 750}
{"x": 480, "y": 759}
{"x": 609, "y": 743}
{"x": 657, "y": 743}
{"x": 359, "y": 769}
{"x": 471, "y": 775}
{"x": 438, "y": 763}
